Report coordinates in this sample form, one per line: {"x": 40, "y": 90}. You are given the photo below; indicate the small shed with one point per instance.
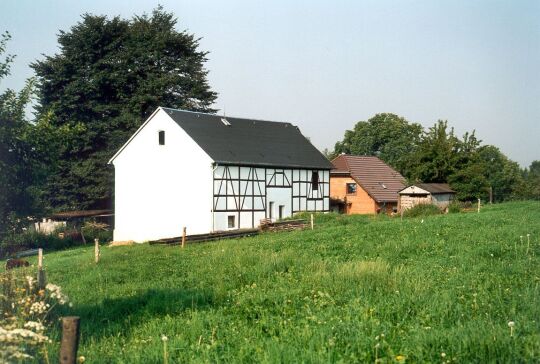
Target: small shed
{"x": 438, "y": 194}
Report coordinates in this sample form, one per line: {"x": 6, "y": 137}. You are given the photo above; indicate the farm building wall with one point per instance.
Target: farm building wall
{"x": 442, "y": 200}
{"x": 161, "y": 188}
{"x": 244, "y": 195}
{"x": 360, "y": 202}
{"x": 409, "y": 201}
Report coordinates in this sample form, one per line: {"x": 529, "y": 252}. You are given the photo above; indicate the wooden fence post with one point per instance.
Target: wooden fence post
{"x": 70, "y": 340}
{"x": 41, "y": 278}
{"x": 478, "y": 205}
{"x": 40, "y": 258}
{"x": 311, "y": 221}
{"x": 184, "y": 237}
{"x": 96, "y": 250}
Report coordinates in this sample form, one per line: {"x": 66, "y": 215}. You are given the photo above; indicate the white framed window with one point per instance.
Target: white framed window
{"x": 161, "y": 137}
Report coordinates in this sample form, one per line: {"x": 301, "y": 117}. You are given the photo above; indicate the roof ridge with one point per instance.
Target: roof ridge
{"x": 227, "y": 116}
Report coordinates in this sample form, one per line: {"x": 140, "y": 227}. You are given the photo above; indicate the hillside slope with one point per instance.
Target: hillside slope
{"x": 355, "y": 289}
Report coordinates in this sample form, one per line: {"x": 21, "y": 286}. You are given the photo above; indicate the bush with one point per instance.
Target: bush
{"x": 14, "y": 243}
{"x": 422, "y": 210}
{"x": 95, "y": 230}
{"x": 454, "y": 207}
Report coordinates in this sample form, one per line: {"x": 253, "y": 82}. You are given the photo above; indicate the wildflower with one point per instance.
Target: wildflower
{"x": 511, "y": 325}
{"x": 164, "y": 338}
{"x": 34, "y": 325}
{"x": 30, "y": 280}
{"x": 400, "y": 358}
{"x": 81, "y": 359}
{"x": 443, "y": 355}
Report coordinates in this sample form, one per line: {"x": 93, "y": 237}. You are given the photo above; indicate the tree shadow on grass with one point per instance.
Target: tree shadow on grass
{"x": 114, "y": 316}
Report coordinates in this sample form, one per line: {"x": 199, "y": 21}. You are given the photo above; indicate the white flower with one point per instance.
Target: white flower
{"x": 443, "y": 355}
{"x": 511, "y": 323}
{"x": 30, "y": 281}
{"x": 34, "y": 325}
{"x": 164, "y": 338}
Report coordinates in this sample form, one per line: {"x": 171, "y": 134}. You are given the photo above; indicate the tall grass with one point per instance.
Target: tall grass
{"x": 355, "y": 289}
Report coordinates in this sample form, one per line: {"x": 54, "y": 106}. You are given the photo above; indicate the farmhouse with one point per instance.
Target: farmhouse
{"x": 438, "y": 194}
{"x": 364, "y": 185}
{"x": 213, "y": 173}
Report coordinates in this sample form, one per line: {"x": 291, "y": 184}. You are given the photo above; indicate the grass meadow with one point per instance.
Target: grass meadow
{"x": 356, "y": 289}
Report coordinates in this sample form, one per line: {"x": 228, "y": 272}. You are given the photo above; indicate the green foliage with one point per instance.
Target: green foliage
{"x": 502, "y": 174}
{"x": 455, "y": 207}
{"x": 17, "y": 157}
{"x": 450, "y": 284}
{"x": 94, "y": 230}
{"x": 424, "y": 209}
{"x": 530, "y": 188}
{"x": 385, "y": 135}
{"x": 109, "y": 75}
{"x": 13, "y": 243}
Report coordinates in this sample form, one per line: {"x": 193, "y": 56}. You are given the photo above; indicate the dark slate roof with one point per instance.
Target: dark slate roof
{"x": 250, "y": 142}
{"x": 377, "y": 178}
{"x": 435, "y": 188}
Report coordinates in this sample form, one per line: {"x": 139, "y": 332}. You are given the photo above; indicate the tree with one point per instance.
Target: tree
{"x": 531, "y": 185}
{"x": 437, "y": 154}
{"x": 502, "y": 174}
{"x": 387, "y": 136}
{"x": 16, "y": 154}
{"x": 109, "y": 75}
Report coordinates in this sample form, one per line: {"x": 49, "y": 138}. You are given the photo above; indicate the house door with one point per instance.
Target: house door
{"x": 281, "y": 209}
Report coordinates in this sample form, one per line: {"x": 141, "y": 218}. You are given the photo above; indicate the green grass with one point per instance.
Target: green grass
{"x": 440, "y": 284}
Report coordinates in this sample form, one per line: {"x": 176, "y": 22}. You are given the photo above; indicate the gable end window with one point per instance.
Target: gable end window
{"x": 161, "y": 137}
{"x": 351, "y": 188}
{"x": 314, "y": 180}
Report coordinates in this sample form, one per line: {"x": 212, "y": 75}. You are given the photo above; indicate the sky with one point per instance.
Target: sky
{"x": 325, "y": 65}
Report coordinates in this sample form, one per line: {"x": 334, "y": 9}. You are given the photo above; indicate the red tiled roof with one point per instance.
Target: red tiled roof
{"x": 377, "y": 178}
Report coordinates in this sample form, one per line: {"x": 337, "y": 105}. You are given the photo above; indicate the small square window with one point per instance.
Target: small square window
{"x": 351, "y": 188}
{"x": 231, "y": 223}
{"x": 161, "y": 135}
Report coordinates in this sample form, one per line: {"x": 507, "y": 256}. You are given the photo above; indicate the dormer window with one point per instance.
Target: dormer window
{"x": 161, "y": 137}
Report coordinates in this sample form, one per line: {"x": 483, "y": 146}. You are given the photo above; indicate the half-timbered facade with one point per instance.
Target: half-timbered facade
{"x": 243, "y": 195}
{"x": 212, "y": 173}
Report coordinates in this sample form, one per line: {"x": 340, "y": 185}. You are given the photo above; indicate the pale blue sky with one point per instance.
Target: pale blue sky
{"x": 324, "y": 65}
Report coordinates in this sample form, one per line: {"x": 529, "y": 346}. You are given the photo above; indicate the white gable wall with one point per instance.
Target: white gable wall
{"x": 161, "y": 188}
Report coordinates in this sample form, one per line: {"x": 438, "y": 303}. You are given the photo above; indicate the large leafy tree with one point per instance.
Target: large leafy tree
{"x": 503, "y": 175}
{"x": 386, "y": 135}
{"x": 16, "y": 153}
{"x": 109, "y": 75}
{"x": 531, "y": 186}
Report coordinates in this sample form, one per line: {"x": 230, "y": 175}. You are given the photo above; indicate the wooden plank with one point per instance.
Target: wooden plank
{"x": 208, "y": 236}
{"x": 27, "y": 253}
